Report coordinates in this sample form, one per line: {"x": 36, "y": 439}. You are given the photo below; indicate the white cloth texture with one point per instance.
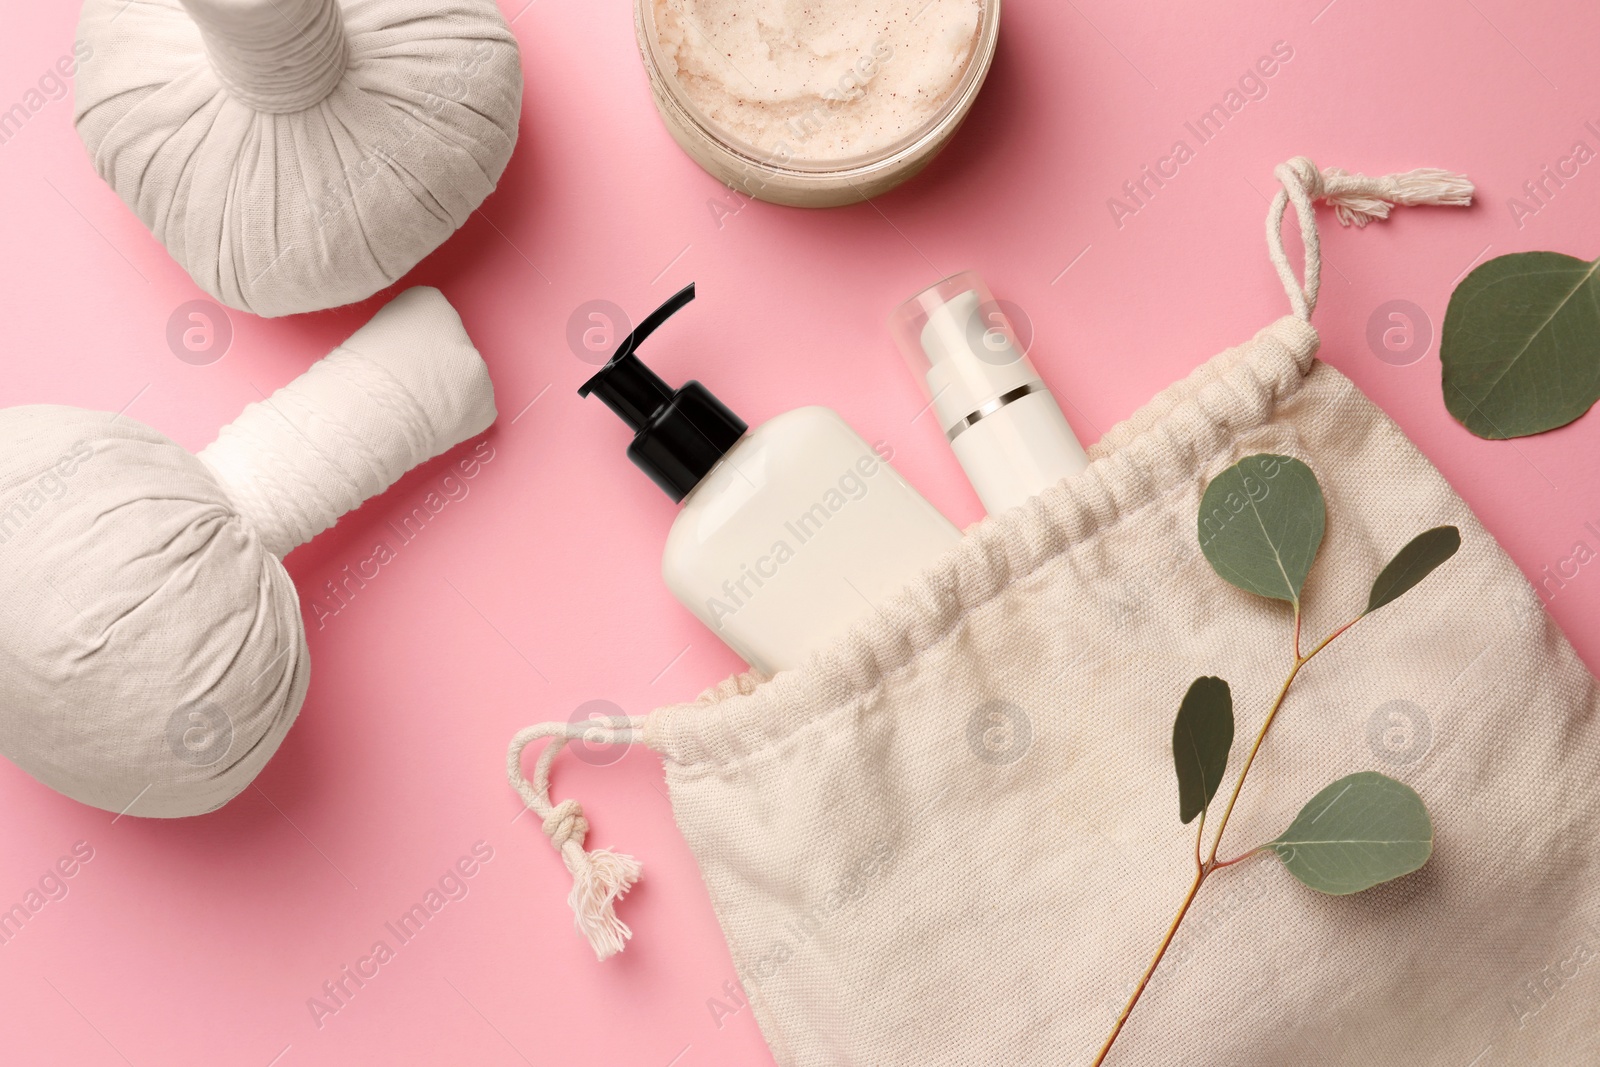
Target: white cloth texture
{"x": 295, "y": 155}
{"x": 953, "y": 837}
{"x": 152, "y": 653}
{"x": 404, "y": 388}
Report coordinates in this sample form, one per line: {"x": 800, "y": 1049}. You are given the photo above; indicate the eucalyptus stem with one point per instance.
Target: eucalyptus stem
{"x": 1172, "y": 931}
{"x": 1210, "y": 865}
{"x": 1272, "y": 715}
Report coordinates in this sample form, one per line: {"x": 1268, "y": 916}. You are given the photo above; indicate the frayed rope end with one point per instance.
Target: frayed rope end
{"x": 1430, "y": 185}
{"x": 600, "y": 879}
{"x": 1357, "y": 199}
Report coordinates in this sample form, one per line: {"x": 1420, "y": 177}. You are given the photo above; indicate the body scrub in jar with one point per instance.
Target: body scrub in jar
{"x": 815, "y": 103}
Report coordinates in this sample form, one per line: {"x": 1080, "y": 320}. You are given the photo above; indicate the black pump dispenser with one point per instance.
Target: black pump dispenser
{"x": 680, "y": 434}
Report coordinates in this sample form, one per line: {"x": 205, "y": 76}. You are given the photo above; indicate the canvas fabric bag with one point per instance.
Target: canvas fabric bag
{"x": 952, "y": 838}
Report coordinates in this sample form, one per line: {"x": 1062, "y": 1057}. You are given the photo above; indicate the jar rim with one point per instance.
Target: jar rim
{"x": 911, "y": 146}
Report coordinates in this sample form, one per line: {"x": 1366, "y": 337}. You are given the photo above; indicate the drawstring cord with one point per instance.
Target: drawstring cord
{"x": 599, "y": 877}
{"x": 1356, "y": 200}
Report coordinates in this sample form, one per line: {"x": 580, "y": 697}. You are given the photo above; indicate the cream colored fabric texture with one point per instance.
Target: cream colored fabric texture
{"x": 152, "y": 654}
{"x": 954, "y": 838}
{"x": 294, "y": 155}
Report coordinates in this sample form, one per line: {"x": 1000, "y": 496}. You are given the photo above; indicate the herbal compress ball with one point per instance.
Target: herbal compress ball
{"x": 295, "y": 155}
{"x": 152, "y": 654}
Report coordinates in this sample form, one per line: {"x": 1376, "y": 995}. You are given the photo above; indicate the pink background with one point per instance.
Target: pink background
{"x": 200, "y": 941}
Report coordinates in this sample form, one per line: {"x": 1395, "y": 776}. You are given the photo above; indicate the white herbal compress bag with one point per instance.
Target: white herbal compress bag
{"x": 295, "y": 155}
{"x": 951, "y": 838}
{"x": 152, "y": 651}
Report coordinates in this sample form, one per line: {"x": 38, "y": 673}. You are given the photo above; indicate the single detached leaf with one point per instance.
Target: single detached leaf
{"x": 1413, "y": 563}
{"x": 1261, "y": 523}
{"x": 1521, "y": 344}
{"x": 1201, "y": 737}
{"x": 1358, "y": 832}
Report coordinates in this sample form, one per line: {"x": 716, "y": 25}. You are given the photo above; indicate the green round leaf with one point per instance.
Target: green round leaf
{"x": 1521, "y": 344}
{"x": 1358, "y": 832}
{"x": 1201, "y": 737}
{"x": 1261, "y": 523}
{"x": 1413, "y": 563}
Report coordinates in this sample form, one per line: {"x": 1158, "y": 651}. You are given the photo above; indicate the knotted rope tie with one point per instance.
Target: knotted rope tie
{"x": 1356, "y": 200}
{"x": 566, "y": 823}
{"x": 600, "y": 877}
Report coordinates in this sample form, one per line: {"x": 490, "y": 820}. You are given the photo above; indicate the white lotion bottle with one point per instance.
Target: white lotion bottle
{"x": 1003, "y": 424}
{"x": 789, "y": 533}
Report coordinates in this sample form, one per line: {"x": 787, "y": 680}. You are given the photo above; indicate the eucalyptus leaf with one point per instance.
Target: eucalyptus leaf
{"x": 1413, "y": 563}
{"x": 1521, "y": 344}
{"x": 1261, "y": 523}
{"x": 1201, "y": 737}
{"x": 1361, "y": 830}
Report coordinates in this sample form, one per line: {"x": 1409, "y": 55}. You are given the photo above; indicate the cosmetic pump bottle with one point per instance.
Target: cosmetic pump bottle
{"x": 1002, "y": 422}
{"x": 790, "y": 532}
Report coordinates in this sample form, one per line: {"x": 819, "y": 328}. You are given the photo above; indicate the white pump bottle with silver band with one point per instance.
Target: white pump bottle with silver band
{"x": 1003, "y": 423}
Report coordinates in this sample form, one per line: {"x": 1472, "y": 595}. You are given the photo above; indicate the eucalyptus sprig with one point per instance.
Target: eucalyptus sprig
{"x": 1261, "y": 523}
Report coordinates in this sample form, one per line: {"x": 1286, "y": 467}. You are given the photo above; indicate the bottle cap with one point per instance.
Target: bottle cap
{"x": 961, "y": 349}
{"x": 679, "y": 434}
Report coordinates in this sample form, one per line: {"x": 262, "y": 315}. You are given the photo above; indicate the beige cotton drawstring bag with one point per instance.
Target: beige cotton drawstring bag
{"x": 949, "y": 839}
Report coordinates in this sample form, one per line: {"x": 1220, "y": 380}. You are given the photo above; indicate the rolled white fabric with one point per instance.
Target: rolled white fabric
{"x": 152, "y": 654}
{"x": 295, "y": 155}
{"x": 406, "y": 387}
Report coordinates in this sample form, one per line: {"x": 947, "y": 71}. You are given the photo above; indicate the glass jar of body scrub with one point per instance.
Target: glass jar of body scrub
{"x": 820, "y": 103}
